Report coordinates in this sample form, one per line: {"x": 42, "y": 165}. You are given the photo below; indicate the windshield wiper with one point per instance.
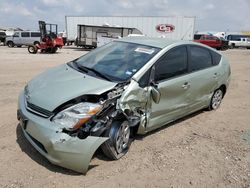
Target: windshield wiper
{"x": 86, "y": 69}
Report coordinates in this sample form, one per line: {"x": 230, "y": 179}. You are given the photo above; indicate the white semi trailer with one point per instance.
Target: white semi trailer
{"x": 172, "y": 27}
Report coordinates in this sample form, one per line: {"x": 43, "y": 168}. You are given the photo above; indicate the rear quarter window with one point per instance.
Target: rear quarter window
{"x": 216, "y": 58}
{"x": 25, "y": 34}
{"x": 35, "y": 34}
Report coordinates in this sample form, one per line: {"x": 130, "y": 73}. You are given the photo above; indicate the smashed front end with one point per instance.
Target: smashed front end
{"x": 71, "y": 142}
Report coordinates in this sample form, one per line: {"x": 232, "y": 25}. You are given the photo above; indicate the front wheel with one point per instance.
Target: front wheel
{"x": 119, "y": 140}
{"x": 10, "y": 44}
{"x": 216, "y": 99}
{"x": 32, "y": 49}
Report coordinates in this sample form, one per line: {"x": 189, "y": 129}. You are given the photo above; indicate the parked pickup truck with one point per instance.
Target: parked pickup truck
{"x": 236, "y": 41}
{"x": 212, "y": 41}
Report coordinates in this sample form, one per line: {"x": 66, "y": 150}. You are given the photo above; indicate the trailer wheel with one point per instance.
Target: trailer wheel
{"x": 32, "y": 49}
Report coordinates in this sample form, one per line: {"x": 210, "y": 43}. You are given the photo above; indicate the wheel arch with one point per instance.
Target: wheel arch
{"x": 224, "y": 89}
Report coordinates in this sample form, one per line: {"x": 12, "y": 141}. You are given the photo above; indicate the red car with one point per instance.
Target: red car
{"x": 211, "y": 41}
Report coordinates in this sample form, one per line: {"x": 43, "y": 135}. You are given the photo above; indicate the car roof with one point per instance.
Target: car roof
{"x": 148, "y": 41}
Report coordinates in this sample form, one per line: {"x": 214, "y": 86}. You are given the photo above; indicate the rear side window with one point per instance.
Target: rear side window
{"x": 200, "y": 58}
{"x": 174, "y": 63}
{"x": 36, "y": 34}
{"x": 197, "y": 37}
{"x": 216, "y": 58}
{"x": 25, "y": 34}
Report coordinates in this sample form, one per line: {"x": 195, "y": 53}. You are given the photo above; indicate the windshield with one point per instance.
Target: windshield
{"x": 117, "y": 61}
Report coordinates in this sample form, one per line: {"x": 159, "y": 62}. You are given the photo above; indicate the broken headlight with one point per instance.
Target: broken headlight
{"x": 76, "y": 115}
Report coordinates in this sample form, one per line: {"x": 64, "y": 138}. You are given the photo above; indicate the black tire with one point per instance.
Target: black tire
{"x": 118, "y": 143}
{"x": 53, "y": 50}
{"x": 36, "y": 43}
{"x": 32, "y": 49}
{"x": 232, "y": 46}
{"x": 216, "y": 99}
{"x": 10, "y": 44}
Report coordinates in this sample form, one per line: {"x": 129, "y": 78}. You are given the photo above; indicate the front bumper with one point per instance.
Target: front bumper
{"x": 59, "y": 148}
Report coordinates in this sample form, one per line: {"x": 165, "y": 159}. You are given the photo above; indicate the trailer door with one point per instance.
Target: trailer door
{"x": 89, "y": 37}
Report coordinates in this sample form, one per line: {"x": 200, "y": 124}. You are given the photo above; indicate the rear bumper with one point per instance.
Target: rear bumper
{"x": 59, "y": 148}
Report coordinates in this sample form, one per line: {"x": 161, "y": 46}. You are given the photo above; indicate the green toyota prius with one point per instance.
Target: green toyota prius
{"x": 132, "y": 85}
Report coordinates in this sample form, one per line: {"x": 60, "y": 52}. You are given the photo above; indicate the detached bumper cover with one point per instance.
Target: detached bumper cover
{"x": 59, "y": 148}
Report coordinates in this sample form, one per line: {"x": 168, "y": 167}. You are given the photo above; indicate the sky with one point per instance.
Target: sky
{"x": 211, "y": 15}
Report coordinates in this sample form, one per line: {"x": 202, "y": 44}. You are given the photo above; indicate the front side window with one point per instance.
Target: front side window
{"x": 200, "y": 58}
{"x": 25, "y": 34}
{"x": 16, "y": 34}
{"x": 118, "y": 61}
{"x": 173, "y": 64}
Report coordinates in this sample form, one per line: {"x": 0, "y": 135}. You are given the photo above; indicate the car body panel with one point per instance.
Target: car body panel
{"x": 61, "y": 84}
{"x": 174, "y": 102}
{"x": 60, "y": 149}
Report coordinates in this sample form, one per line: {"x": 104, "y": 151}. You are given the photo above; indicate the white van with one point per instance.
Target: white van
{"x": 23, "y": 38}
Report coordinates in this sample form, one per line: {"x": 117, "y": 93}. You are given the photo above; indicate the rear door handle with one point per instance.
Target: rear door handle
{"x": 186, "y": 85}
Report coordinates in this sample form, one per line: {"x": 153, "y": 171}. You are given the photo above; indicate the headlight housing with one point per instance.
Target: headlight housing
{"x": 76, "y": 115}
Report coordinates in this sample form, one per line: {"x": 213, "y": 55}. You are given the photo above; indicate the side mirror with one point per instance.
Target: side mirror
{"x": 155, "y": 94}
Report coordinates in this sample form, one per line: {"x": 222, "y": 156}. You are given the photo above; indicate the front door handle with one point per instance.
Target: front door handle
{"x": 186, "y": 85}
{"x": 215, "y": 75}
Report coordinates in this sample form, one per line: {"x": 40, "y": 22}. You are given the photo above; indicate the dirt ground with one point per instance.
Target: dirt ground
{"x": 207, "y": 149}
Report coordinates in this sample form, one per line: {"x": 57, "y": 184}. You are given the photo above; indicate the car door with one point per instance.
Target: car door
{"x": 25, "y": 38}
{"x": 203, "y": 76}
{"x": 16, "y": 38}
{"x": 172, "y": 82}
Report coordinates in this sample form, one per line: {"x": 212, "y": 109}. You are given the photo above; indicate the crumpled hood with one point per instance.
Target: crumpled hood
{"x": 61, "y": 84}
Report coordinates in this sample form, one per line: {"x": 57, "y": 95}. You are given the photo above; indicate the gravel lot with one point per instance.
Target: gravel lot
{"x": 207, "y": 149}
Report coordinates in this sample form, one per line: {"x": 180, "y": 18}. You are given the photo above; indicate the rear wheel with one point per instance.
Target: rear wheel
{"x": 32, "y": 49}
{"x": 10, "y": 44}
{"x": 216, "y": 99}
{"x": 232, "y": 46}
{"x": 118, "y": 143}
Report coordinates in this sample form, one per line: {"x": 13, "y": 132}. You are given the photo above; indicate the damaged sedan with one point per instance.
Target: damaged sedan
{"x": 127, "y": 87}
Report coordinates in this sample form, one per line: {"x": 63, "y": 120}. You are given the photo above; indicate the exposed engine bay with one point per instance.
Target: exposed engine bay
{"x": 114, "y": 107}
